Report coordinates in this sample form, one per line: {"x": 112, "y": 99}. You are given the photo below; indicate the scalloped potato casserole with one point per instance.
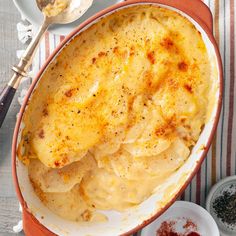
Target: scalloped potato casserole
{"x": 117, "y": 112}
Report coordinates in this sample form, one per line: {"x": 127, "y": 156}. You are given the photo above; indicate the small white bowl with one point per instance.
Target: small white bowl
{"x": 215, "y": 191}
{"x": 29, "y": 9}
{"x": 206, "y": 226}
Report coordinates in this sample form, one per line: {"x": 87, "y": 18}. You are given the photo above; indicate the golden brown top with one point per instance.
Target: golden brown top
{"x": 132, "y": 90}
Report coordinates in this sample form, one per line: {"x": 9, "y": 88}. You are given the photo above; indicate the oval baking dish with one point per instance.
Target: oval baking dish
{"x": 38, "y": 220}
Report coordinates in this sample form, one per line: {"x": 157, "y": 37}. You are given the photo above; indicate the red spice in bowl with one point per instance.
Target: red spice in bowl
{"x": 169, "y": 228}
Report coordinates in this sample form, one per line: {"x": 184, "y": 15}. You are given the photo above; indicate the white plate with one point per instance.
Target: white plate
{"x": 29, "y": 9}
{"x": 181, "y": 209}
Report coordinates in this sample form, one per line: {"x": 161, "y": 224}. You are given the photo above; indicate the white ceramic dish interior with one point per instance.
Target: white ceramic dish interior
{"x": 120, "y": 223}
{"x": 29, "y": 9}
{"x": 204, "y": 221}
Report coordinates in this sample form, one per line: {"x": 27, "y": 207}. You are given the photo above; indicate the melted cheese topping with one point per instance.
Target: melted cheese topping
{"x": 117, "y": 112}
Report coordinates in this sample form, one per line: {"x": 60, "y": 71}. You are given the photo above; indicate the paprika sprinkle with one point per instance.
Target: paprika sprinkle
{"x": 168, "y": 228}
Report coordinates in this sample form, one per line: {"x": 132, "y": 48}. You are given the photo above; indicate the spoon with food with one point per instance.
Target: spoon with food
{"x": 55, "y": 12}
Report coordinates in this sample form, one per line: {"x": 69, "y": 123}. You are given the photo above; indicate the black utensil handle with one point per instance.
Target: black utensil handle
{"x": 6, "y": 97}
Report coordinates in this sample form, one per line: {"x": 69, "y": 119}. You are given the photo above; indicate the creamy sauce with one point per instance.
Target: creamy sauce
{"x": 117, "y": 112}
{"x": 56, "y": 8}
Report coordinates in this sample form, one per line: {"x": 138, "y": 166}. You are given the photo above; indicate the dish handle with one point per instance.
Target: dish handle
{"x": 202, "y": 11}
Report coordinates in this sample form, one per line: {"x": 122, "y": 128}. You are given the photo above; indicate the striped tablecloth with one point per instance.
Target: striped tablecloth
{"x": 221, "y": 158}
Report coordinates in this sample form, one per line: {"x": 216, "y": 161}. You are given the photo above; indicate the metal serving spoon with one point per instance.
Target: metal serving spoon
{"x": 66, "y": 16}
